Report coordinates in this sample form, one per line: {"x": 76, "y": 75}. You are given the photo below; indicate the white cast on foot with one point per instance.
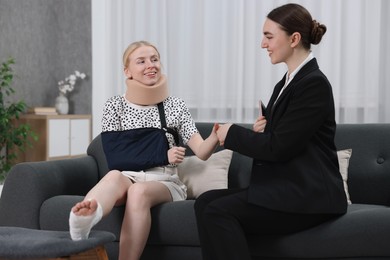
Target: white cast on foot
{"x": 80, "y": 226}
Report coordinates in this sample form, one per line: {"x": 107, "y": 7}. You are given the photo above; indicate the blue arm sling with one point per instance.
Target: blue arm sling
{"x": 138, "y": 149}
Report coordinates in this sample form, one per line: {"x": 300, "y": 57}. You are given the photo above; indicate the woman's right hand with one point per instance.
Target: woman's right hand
{"x": 176, "y": 154}
{"x": 259, "y": 125}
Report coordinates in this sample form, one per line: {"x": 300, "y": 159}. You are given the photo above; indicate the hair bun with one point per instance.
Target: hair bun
{"x": 318, "y": 30}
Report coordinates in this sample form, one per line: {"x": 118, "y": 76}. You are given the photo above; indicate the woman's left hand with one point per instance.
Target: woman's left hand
{"x": 259, "y": 125}
{"x": 176, "y": 154}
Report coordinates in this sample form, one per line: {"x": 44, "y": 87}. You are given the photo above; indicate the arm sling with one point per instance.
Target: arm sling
{"x": 138, "y": 149}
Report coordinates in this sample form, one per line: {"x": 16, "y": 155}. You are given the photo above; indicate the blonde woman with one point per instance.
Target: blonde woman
{"x": 140, "y": 190}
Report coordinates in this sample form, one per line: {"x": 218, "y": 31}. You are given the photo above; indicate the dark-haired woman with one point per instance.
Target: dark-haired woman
{"x": 295, "y": 182}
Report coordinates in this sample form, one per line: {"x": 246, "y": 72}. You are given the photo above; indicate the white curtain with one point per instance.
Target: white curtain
{"x": 211, "y": 53}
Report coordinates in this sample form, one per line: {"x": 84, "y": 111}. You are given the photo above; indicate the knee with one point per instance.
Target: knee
{"x": 202, "y": 202}
{"x": 137, "y": 196}
{"x": 204, "y": 209}
{"x": 199, "y": 205}
{"x": 113, "y": 176}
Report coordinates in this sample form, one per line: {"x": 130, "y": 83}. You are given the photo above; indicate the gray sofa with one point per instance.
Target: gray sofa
{"x": 39, "y": 195}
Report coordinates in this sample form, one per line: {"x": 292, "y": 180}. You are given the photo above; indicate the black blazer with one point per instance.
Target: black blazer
{"x": 295, "y": 166}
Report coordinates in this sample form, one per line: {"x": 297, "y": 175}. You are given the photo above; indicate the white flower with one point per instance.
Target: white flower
{"x": 67, "y": 85}
{"x": 80, "y": 75}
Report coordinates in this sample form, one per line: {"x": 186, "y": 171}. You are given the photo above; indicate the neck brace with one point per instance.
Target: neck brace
{"x": 142, "y": 94}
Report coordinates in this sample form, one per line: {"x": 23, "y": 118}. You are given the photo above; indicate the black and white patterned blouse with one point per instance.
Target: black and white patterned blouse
{"x": 119, "y": 114}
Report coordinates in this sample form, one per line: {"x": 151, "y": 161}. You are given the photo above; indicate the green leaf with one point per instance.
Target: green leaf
{"x": 11, "y": 135}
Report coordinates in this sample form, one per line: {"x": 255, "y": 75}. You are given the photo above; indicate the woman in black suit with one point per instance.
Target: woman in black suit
{"x": 295, "y": 182}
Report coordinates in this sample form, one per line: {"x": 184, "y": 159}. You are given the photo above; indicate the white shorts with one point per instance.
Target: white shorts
{"x": 165, "y": 175}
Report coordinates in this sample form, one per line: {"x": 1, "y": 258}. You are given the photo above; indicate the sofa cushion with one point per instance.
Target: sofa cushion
{"x": 369, "y": 167}
{"x": 173, "y": 223}
{"x": 362, "y": 232}
{"x": 200, "y": 176}
{"x": 54, "y": 215}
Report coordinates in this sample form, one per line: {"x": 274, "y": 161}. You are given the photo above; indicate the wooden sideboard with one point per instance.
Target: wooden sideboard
{"x": 59, "y": 136}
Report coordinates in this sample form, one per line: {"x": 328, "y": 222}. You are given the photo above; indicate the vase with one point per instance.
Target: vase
{"x": 62, "y": 104}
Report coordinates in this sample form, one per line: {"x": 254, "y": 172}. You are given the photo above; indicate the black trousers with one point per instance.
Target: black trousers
{"x": 224, "y": 218}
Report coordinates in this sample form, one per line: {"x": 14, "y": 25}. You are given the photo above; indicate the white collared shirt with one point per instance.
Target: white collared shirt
{"x": 292, "y": 74}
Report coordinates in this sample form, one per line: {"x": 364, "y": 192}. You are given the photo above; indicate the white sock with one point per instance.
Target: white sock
{"x": 80, "y": 226}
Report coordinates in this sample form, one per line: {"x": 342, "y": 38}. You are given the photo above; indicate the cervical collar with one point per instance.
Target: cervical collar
{"x": 141, "y": 94}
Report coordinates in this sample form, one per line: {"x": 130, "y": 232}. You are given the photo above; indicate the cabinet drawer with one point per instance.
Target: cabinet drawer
{"x": 79, "y": 136}
{"x": 59, "y": 137}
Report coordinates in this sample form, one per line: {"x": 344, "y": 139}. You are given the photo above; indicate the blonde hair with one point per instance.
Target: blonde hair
{"x": 132, "y": 47}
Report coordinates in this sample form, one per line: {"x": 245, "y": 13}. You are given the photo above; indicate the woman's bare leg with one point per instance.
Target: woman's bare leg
{"x": 110, "y": 191}
{"x": 141, "y": 197}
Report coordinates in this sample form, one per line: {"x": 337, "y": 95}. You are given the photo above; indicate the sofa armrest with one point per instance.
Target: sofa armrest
{"x": 29, "y": 184}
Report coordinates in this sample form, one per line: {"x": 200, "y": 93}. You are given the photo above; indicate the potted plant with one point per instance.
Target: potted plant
{"x": 13, "y": 137}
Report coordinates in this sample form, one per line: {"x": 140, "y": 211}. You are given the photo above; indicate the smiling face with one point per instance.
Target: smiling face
{"x": 277, "y": 42}
{"x": 144, "y": 65}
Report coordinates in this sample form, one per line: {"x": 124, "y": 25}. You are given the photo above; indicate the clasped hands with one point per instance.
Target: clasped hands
{"x": 176, "y": 154}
